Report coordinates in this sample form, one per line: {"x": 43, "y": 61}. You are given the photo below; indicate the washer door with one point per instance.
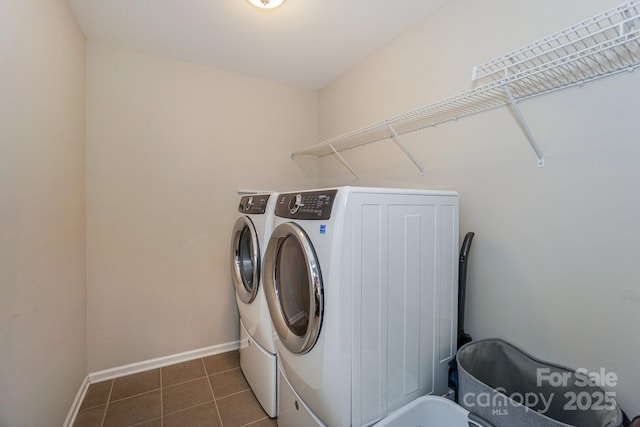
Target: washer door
{"x": 245, "y": 259}
{"x": 293, "y": 287}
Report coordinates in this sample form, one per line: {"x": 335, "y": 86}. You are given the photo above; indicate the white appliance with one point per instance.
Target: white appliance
{"x": 257, "y": 350}
{"x": 361, "y": 285}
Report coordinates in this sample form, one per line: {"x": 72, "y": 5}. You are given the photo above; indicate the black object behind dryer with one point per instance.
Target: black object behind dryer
{"x": 463, "y": 337}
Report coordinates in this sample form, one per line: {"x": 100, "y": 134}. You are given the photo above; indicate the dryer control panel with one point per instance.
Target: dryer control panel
{"x": 253, "y": 204}
{"x": 306, "y": 205}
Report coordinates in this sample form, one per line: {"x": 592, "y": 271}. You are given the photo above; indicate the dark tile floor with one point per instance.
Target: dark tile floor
{"x": 207, "y": 392}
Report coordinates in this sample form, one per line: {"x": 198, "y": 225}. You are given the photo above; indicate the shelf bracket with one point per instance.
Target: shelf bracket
{"x": 399, "y": 141}
{"x": 525, "y": 127}
{"x": 344, "y": 162}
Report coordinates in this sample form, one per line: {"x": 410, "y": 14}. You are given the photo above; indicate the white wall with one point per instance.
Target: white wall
{"x": 554, "y": 263}
{"x": 42, "y": 268}
{"x": 168, "y": 146}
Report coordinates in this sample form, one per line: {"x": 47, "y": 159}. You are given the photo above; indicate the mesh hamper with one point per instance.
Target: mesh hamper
{"x": 497, "y": 380}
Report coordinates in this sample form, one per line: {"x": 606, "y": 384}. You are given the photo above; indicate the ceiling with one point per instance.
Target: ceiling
{"x": 305, "y": 43}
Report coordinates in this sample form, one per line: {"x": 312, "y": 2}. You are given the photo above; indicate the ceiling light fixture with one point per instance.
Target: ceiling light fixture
{"x": 266, "y": 4}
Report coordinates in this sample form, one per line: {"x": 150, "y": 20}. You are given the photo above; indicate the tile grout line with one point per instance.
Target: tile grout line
{"x": 136, "y": 395}
{"x": 92, "y": 407}
{"x": 185, "y": 382}
{"x": 106, "y": 407}
{"x": 256, "y": 421}
{"x": 145, "y": 422}
{"x": 189, "y": 408}
{"x": 234, "y": 394}
{"x": 212, "y": 393}
{"x": 253, "y": 422}
{"x": 222, "y": 372}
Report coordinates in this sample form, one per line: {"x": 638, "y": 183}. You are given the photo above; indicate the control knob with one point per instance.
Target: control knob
{"x": 295, "y": 203}
{"x": 249, "y": 204}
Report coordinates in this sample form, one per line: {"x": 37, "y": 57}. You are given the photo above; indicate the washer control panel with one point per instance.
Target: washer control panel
{"x": 306, "y": 205}
{"x": 254, "y": 204}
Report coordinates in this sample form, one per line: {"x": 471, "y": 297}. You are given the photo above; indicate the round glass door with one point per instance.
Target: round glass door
{"x": 293, "y": 287}
{"x": 245, "y": 254}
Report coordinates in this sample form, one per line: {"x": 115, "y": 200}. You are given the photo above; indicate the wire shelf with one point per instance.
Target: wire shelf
{"x": 601, "y": 44}
{"x": 606, "y": 44}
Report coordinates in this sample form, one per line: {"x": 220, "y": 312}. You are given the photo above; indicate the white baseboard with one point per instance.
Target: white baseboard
{"x": 75, "y": 406}
{"x": 134, "y": 368}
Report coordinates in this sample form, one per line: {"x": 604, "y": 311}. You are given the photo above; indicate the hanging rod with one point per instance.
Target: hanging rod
{"x": 601, "y": 46}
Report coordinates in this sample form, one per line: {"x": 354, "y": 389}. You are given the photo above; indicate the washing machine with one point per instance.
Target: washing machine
{"x": 361, "y": 285}
{"x": 257, "y": 349}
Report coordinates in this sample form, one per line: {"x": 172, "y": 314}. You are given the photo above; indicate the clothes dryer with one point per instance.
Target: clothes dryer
{"x": 257, "y": 350}
{"x": 361, "y": 287}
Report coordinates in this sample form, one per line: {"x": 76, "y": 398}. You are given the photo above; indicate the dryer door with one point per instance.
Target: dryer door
{"x": 293, "y": 287}
{"x": 245, "y": 259}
